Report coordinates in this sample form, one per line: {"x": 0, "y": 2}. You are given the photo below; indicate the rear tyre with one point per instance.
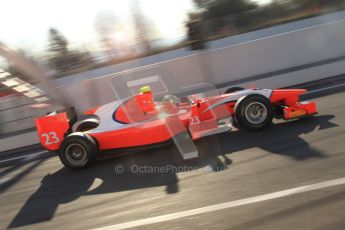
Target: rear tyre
{"x": 254, "y": 112}
{"x": 86, "y": 125}
{"x": 78, "y": 151}
{"x": 233, "y": 89}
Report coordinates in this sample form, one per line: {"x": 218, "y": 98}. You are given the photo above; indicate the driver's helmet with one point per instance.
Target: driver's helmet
{"x": 145, "y": 89}
{"x": 145, "y": 99}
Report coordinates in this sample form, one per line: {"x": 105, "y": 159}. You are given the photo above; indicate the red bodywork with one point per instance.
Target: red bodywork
{"x": 140, "y": 121}
{"x": 290, "y": 101}
{"x": 51, "y": 130}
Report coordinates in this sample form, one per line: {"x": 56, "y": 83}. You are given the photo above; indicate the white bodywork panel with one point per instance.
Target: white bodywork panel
{"x": 238, "y": 95}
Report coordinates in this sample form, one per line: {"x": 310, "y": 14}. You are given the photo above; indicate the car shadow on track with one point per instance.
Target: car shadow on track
{"x": 4, "y": 186}
{"x": 122, "y": 174}
{"x": 284, "y": 138}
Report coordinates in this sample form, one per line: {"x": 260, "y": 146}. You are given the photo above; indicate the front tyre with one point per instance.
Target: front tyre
{"x": 254, "y": 112}
{"x": 77, "y": 151}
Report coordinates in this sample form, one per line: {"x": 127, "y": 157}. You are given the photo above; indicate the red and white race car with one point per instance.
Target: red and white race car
{"x": 140, "y": 122}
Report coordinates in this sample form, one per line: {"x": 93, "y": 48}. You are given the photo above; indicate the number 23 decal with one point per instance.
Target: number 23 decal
{"x": 194, "y": 120}
{"x": 50, "y": 138}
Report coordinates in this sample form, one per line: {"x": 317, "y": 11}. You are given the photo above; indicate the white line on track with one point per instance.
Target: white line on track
{"x": 231, "y": 204}
{"x": 26, "y": 156}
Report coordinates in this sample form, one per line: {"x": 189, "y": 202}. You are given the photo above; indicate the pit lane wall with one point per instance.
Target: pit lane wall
{"x": 278, "y": 61}
{"x": 281, "y": 60}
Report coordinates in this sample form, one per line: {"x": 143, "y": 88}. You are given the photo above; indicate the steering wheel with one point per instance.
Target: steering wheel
{"x": 172, "y": 99}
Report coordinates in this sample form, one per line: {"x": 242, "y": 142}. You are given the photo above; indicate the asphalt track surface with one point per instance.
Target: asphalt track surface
{"x": 41, "y": 194}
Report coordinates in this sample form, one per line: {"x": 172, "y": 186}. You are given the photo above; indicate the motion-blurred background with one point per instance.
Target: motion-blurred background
{"x": 78, "y": 39}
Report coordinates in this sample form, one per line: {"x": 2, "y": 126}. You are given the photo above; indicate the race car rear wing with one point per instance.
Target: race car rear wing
{"x": 53, "y": 127}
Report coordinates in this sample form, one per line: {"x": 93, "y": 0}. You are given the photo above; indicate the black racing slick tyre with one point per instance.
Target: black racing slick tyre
{"x": 78, "y": 151}
{"x": 87, "y": 125}
{"x": 233, "y": 89}
{"x": 254, "y": 112}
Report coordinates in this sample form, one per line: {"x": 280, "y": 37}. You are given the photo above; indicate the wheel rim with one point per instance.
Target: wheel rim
{"x": 256, "y": 112}
{"x": 76, "y": 154}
